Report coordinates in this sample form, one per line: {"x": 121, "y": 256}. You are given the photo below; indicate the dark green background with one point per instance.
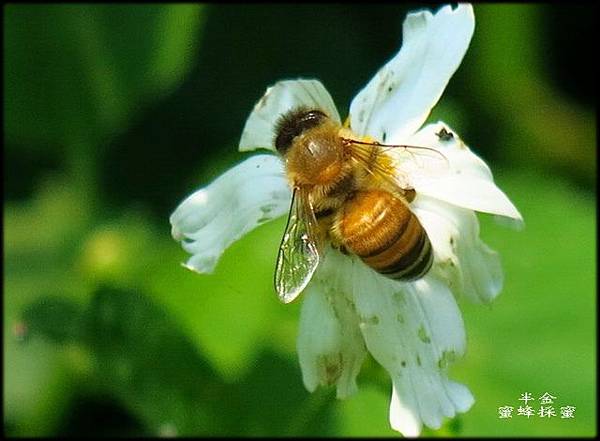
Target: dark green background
{"x": 113, "y": 114}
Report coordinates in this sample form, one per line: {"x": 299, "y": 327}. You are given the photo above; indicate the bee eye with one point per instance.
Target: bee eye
{"x": 295, "y": 123}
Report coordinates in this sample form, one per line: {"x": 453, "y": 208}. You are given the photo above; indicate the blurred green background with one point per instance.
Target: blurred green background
{"x": 113, "y": 114}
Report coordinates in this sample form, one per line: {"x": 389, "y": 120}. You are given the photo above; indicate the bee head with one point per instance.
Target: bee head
{"x": 294, "y": 123}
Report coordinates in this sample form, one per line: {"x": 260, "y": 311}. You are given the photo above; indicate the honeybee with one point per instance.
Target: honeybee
{"x": 346, "y": 191}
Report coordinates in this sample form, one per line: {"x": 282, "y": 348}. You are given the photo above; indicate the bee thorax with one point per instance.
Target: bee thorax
{"x": 315, "y": 160}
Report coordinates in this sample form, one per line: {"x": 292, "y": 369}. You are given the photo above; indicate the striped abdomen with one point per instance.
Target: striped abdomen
{"x": 380, "y": 229}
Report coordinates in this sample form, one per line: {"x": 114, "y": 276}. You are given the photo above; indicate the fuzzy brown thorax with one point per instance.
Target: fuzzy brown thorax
{"x": 317, "y": 157}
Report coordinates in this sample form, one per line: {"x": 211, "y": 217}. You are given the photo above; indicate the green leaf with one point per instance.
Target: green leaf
{"x": 229, "y": 314}
{"x": 365, "y": 414}
{"x": 288, "y": 409}
{"x": 77, "y": 72}
{"x": 41, "y": 238}
{"x": 141, "y": 358}
{"x": 37, "y": 383}
{"x": 55, "y": 318}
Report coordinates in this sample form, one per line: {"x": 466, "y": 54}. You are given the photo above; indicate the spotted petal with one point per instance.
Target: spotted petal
{"x": 467, "y": 264}
{"x": 212, "y": 218}
{"x": 467, "y": 182}
{"x": 414, "y": 330}
{"x": 330, "y": 345}
{"x": 396, "y": 102}
{"x": 259, "y": 131}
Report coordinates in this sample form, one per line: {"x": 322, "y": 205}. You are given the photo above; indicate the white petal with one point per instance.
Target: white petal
{"x": 404, "y": 410}
{"x": 413, "y": 330}
{"x": 330, "y": 345}
{"x": 467, "y": 180}
{"x": 396, "y": 102}
{"x": 468, "y": 265}
{"x": 212, "y": 218}
{"x": 404, "y": 416}
{"x": 259, "y": 131}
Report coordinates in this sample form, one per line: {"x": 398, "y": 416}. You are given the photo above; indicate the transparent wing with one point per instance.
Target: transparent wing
{"x": 396, "y": 164}
{"x": 299, "y": 251}
{"x": 418, "y": 161}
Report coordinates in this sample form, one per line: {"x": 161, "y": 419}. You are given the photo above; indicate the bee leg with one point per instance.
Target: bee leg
{"x": 338, "y": 246}
{"x": 410, "y": 194}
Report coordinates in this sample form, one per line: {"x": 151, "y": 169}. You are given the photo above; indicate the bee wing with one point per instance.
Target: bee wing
{"x": 418, "y": 161}
{"x": 299, "y": 251}
{"x": 397, "y": 163}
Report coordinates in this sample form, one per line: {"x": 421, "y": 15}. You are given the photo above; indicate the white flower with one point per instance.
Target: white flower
{"x": 413, "y": 329}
